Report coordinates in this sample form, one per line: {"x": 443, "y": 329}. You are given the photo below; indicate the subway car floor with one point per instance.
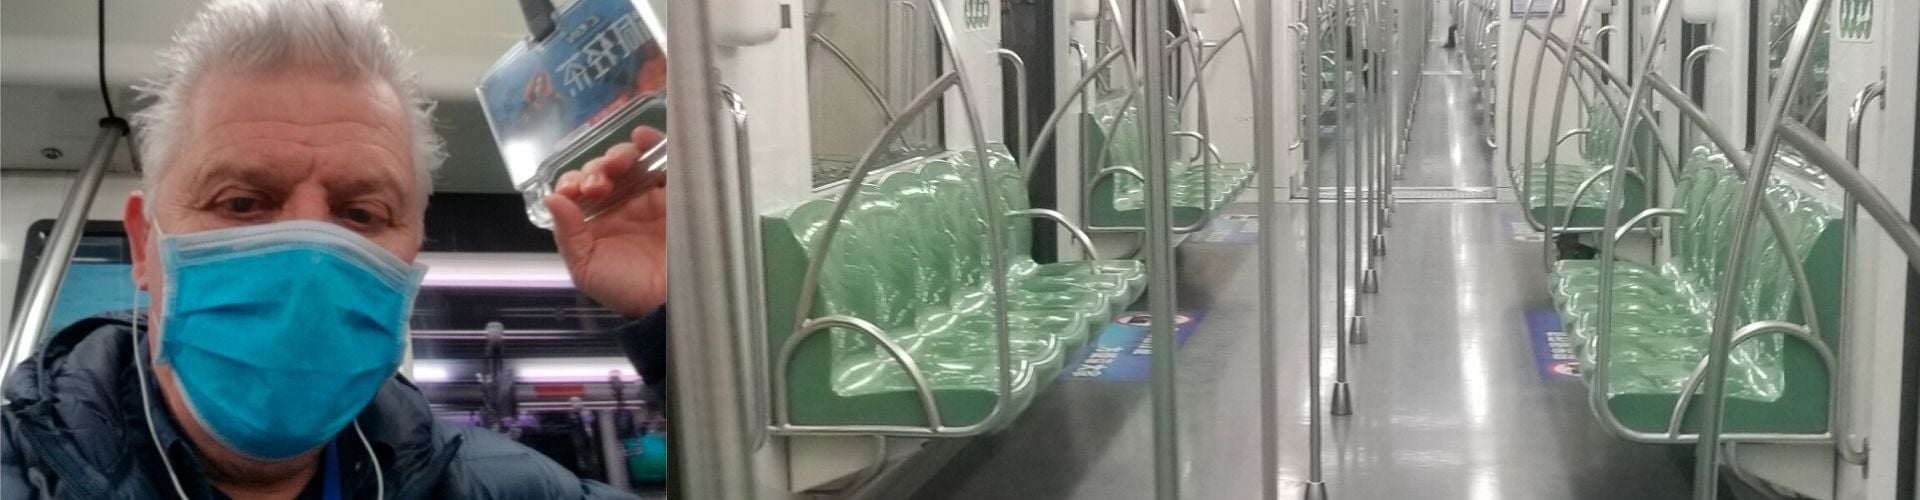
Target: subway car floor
{"x": 1453, "y": 398}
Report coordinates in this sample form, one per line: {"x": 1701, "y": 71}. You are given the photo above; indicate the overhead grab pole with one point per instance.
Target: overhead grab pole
{"x": 37, "y": 307}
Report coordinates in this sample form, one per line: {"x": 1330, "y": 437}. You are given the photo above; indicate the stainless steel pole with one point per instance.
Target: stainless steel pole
{"x": 1348, "y": 159}
{"x": 37, "y": 308}
{"x": 1706, "y": 473}
{"x": 1264, "y": 160}
{"x": 1149, "y": 25}
{"x": 1316, "y": 487}
{"x": 713, "y": 453}
{"x": 1559, "y": 111}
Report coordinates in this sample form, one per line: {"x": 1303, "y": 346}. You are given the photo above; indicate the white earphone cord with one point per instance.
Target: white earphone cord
{"x": 146, "y": 402}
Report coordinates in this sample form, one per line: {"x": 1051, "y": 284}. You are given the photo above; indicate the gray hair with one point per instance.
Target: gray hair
{"x": 347, "y": 37}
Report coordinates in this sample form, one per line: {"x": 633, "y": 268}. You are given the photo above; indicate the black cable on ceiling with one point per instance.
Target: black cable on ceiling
{"x": 100, "y": 53}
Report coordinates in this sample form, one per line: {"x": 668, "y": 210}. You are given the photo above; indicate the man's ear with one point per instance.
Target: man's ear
{"x": 140, "y": 233}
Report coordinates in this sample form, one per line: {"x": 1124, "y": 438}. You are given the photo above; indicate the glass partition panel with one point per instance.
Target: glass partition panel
{"x": 865, "y": 60}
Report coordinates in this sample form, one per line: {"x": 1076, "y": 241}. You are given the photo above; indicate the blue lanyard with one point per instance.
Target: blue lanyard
{"x": 330, "y": 488}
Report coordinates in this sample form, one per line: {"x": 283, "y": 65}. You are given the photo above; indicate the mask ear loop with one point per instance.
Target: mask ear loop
{"x": 146, "y": 402}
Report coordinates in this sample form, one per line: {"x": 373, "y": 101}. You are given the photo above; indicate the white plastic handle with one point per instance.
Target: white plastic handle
{"x": 1200, "y": 6}
{"x": 1603, "y": 6}
{"x": 745, "y": 23}
{"x": 1700, "y": 11}
{"x": 1083, "y": 10}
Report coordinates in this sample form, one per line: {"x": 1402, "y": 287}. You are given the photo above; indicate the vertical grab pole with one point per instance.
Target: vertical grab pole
{"x": 1377, "y": 152}
{"x": 1363, "y": 148}
{"x": 1344, "y": 145}
{"x": 37, "y": 309}
{"x": 1603, "y": 324}
{"x": 1316, "y": 487}
{"x": 715, "y": 455}
{"x": 1263, "y": 160}
{"x": 1850, "y": 205}
{"x": 1706, "y": 473}
{"x": 1149, "y": 24}
{"x": 1559, "y": 112}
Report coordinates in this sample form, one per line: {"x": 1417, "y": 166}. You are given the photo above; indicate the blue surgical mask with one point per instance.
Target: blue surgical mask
{"x": 279, "y": 334}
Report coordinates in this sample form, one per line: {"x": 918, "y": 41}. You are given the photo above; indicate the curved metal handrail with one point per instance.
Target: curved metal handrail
{"x": 997, "y": 260}
{"x": 1526, "y": 179}
{"x": 803, "y": 307}
{"x": 1080, "y": 236}
{"x": 1045, "y": 138}
{"x": 1741, "y": 164}
{"x": 873, "y": 91}
{"x": 1646, "y": 216}
{"x": 783, "y": 411}
{"x": 1020, "y": 93}
{"x": 1533, "y": 89}
{"x": 1706, "y": 474}
{"x": 1585, "y": 185}
{"x": 1596, "y": 398}
{"x": 1752, "y": 331}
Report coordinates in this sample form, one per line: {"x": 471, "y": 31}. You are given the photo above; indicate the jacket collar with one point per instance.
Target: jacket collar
{"x": 84, "y": 373}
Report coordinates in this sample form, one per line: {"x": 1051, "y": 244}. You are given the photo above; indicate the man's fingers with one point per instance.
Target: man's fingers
{"x": 569, "y": 184}
{"x": 570, "y": 230}
{"x": 596, "y": 186}
{"x": 646, "y": 137}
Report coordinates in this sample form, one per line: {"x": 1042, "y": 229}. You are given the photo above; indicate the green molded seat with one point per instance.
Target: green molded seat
{"x": 911, "y": 256}
{"x": 1661, "y": 314}
{"x": 1563, "y": 179}
{"x": 1119, "y": 200}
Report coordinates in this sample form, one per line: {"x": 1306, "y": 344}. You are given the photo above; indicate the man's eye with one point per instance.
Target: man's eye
{"x": 362, "y": 217}
{"x": 240, "y": 205}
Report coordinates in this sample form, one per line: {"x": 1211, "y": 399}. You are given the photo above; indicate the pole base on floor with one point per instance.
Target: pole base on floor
{"x": 1356, "y": 329}
{"x": 1342, "y": 398}
{"x": 1316, "y": 490}
{"x": 1370, "y": 280}
{"x": 1380, "y": 244}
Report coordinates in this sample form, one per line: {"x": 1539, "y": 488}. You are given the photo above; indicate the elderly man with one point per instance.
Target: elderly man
{"x": 289, "y": 158}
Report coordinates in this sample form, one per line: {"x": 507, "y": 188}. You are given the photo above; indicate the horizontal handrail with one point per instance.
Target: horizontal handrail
{"x": 1849, "y": 178}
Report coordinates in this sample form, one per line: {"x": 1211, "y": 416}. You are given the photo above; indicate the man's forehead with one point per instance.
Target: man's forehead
{"x": 247, "y": 121}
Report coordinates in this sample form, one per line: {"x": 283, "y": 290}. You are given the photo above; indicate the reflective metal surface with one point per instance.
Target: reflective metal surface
{"x": 1453, "y": 407}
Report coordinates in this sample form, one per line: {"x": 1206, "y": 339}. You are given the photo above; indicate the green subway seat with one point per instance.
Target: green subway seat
{"x": 1119, "y": 200}
{"x": 1562, "y": 180}
{"x": 911, "y": 257}
{"x": 1661, "y": 314}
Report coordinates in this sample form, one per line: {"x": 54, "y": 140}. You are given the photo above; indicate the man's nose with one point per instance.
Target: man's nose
{"x": 307, "y": 203}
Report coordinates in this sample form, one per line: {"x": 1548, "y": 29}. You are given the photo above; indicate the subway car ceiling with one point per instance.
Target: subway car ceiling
{"x": 49, "y": 93}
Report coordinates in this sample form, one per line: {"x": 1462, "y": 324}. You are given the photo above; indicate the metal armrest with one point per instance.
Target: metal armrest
{"x": 1643, "y": 216}
{"x": 1587, "y": 185}
{"x": 1079, "y": 235}
{"x": 783, "y": 414}
{"x": 1753, "y": 331}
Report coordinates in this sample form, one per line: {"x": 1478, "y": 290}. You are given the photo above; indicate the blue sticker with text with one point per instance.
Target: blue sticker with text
{"x": 1554, "y": 351}
{"x": 1123, "y": 351}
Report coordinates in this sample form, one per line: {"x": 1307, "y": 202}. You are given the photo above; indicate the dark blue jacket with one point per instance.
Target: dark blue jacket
{"x": 74, "y": 428}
